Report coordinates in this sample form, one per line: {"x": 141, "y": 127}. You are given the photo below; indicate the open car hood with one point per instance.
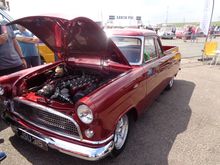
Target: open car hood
{"x": 72, "y": 38}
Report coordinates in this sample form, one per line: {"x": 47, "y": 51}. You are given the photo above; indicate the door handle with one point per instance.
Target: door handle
{"x": 135, "y": 86}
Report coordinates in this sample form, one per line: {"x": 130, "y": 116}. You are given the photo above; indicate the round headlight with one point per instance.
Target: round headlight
{"x": 2, "y": 91}
{"x": 85, "y": 114}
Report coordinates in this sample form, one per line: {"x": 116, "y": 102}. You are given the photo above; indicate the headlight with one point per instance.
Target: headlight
{"x": 85, "y": 114}
{"x": 2, "y": 91}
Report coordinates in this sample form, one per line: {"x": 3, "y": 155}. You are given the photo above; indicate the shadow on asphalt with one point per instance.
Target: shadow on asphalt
{"x": 150, "y": 140}
{"x": 2, "y": 124}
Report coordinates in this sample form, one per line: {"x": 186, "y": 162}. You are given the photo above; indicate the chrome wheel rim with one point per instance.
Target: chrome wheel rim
{"x": 171, "y": 82}
{"x": 121, "y": 132}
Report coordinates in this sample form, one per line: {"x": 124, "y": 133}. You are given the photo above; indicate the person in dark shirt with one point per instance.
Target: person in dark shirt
{"x": 11, "y": 57}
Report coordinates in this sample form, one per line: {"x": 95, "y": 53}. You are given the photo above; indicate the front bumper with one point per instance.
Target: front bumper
{"x": 76, "y": 150}
{"x": 72, "y": 149}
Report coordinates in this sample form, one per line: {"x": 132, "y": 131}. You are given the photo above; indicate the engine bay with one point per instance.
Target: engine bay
{"x": 66, "y": 84}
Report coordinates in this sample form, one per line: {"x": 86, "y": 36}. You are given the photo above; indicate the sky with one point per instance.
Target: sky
{"x": 151, "y": 11}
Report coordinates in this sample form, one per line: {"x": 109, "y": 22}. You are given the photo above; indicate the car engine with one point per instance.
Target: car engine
{"x": 65, "y": 85}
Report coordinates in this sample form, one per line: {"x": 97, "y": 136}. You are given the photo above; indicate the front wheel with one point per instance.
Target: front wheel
{"x": 121, "y": 134}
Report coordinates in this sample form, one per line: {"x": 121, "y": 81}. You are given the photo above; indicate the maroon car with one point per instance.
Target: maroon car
{"x": 83, "y": 104}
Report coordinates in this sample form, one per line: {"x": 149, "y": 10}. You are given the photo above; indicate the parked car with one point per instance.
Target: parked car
{"x": 46, "y": 54}
{"x": 180, "y": 33}
{"x": 216, "y": 32}
{"x": 184, "y": 34}
{"x": 166, "y": 33}
{"x": 83, "y": 104}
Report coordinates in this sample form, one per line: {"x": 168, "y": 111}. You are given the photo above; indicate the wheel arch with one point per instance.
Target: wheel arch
{"x": 132, "y": 113}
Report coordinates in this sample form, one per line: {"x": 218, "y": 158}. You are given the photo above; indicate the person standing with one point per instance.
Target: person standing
{"x": 27, "y": 42}
{"x": 11, "y": 57}
{"x": 193, "y": 34}
{"x": 173, "y": 30}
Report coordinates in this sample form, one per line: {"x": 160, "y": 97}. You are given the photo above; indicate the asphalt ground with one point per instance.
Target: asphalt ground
{"x": 182, "y": 127}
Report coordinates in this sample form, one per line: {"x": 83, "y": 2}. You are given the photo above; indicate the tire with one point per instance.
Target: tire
{"x": 170, "y": 84}
{"x": 121, "y": 130}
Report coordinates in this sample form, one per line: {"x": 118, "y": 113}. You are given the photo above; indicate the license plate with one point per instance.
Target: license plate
{"x": 32, "y": 139}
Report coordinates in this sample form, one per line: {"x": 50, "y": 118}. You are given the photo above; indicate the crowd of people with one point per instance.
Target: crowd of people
{"x": 191, "y": 33}
{"x": 214, "y": 30}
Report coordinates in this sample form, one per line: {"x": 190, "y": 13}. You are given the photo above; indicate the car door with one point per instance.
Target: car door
{"x": 165, "y": 62}
{"x": 151, "y": 69}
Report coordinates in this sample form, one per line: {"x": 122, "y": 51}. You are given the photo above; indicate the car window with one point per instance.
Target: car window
{"x": 159, "y": 48}
{"x": 149, "y": 49}
{"x": 130, "y": 47}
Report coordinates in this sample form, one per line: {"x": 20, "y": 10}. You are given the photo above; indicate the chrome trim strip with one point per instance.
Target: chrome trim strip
{"x": 83, "y": 152}
{"x": 99, "y": 142}
{"x": 50, "y": 110}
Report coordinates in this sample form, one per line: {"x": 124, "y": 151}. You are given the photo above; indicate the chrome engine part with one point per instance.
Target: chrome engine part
{"x": 70, "y": 88}
{"x": 66, "y": 85}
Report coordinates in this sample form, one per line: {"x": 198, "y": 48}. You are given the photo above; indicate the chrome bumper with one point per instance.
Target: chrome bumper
{"x": 72, "y": 149}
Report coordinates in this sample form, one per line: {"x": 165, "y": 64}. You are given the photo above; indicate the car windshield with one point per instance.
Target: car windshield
{"x": 166, "y": 29}
{"x": 130, "y": 47}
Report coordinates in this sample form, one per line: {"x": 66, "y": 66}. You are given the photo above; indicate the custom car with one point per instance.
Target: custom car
{"x": 84, "y": 104}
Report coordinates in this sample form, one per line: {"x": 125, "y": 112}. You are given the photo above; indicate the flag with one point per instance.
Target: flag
{"x": 207, "y": 14}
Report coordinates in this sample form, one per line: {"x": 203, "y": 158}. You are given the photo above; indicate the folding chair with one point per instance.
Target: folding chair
{"x": 217, "y": 56}
{"x": 210, "y": 50}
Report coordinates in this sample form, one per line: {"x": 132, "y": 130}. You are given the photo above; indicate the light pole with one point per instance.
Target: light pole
{"x": 210, "y": 22}
{"x": 167, "y": 15}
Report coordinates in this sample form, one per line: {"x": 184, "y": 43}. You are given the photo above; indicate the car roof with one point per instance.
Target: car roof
{"x": 130, "y": 32}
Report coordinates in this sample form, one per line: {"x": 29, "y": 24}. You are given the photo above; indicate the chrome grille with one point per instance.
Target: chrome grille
{"x": 44, "y": 119}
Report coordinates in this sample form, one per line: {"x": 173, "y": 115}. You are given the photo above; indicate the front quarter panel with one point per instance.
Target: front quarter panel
{"x": 117, "y": 98}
